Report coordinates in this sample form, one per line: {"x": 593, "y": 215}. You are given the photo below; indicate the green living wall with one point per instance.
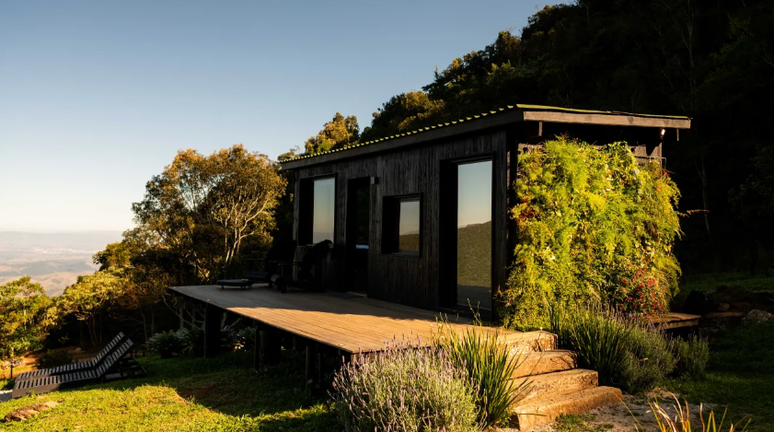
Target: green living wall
{"x": 593, "y": 226}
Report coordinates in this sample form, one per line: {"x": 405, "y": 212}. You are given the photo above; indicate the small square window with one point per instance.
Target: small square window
{"x": 402, "y": 225}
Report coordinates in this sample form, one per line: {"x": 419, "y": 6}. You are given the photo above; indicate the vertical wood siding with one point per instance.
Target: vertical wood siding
{"x": 411, "y": 280}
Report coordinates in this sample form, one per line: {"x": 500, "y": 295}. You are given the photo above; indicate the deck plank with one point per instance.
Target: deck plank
{"x": 353, "y": 324}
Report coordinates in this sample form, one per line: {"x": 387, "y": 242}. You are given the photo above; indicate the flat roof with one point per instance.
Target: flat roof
{"x": 494, "y": 118}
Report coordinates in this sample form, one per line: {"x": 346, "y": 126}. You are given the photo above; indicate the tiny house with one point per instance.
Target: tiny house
{"x": 421, "y": 218}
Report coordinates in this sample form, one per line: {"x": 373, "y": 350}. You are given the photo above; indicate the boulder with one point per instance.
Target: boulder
{"x": 757, "y": 316}
{"x": 23, "y": 413}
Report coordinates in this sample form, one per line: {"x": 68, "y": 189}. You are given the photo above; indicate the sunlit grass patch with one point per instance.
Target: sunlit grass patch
{"x": 186, "y": 394}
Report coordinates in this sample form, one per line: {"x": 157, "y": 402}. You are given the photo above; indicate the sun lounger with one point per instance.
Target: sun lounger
{"x": 75, "y": 367}
{"x": 114, "y": 365}
{"x": 240, "y": 283}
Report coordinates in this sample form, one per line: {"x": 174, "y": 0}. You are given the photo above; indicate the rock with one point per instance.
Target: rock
{"x": 757, "y": 316}
{"x": 28, "y": 411}
{"x": 699, "y": 303}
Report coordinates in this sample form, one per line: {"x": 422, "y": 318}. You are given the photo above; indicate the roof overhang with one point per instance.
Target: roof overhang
{"x": 493, "y": 119}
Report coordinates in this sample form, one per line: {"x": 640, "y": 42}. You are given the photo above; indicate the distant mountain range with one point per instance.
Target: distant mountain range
{"x": 54, "y": 260}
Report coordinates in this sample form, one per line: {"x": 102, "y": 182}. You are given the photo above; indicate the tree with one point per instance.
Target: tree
{"x": 26, "y": 315}
{"x": 339, "y": 132}
{"x": 146, "y": 271}
{"x": 91, "y": 295}
{"x": 202, "y": 209}
{"x": 404, "y": 112}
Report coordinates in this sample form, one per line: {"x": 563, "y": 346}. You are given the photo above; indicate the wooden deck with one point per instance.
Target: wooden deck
{"x": 675, "y": 320}
{"x": 348, "y": 322}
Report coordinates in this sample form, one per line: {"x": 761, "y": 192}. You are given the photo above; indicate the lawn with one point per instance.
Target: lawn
{"x": 740, "y": 376}
{"x": 184, "y": 394}
{"x": 710, "y": 281}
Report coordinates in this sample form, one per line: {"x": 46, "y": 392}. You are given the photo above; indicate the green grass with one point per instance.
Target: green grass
{"x": 740, "y": 376}
{"x": 185, "y": 394}
{"x": 710, "y": 281}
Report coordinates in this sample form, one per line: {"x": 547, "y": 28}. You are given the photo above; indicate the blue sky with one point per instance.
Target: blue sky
{"x": 96, "y": 97}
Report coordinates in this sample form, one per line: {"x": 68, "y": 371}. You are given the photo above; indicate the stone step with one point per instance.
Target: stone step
{"x": 559, "y": 383}
{"x": 534, "y": 341}
{"x": 546, "y": 409}
{"x": 537, "y": 363}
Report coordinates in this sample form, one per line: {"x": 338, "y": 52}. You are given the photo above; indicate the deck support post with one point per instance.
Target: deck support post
{"x": 257, "y": 350}
{"x": 212, "y": 320}
{"x": 313, "y": 363}
{"x": 270, "y": 349}
{"x": 307, "y": 362}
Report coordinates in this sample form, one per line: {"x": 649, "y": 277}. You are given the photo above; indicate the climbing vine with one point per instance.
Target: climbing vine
{"x": 593, "y": 225}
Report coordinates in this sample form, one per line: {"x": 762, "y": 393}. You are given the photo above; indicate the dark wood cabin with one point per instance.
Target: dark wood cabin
{"x": 421, "y": 218}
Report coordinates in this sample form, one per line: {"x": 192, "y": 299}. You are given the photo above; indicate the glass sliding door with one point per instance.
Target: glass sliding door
{"x": 474, "y": 235}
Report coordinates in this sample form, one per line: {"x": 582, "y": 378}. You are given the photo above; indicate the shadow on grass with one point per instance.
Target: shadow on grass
{"x": 229, "y": 384}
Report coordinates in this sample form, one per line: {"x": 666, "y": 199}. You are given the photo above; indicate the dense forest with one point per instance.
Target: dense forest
{"x": 712, "y": 61}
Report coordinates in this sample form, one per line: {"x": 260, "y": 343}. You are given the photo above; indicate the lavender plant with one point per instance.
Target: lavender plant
{"x": 405, "y": 388}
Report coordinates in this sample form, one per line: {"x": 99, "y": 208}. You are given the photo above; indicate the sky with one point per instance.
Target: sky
{"x": 96, "y": 97}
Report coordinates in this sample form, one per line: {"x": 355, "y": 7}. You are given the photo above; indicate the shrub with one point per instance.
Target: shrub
{"x": 585, "y": 219}
{"x": 54, "y": 358}
{"x": 637, "y": 292}
{"x": 490, "y": 367}
{"x": 246, "y": 338}
{"x": 193, "y": 339}
{"x": 625, "y": 351}
{"x": 648, "y": 358}
{"x": 405, "y": 389}
{"x": 166, "y": 344}
{"x": 692, "y": 357}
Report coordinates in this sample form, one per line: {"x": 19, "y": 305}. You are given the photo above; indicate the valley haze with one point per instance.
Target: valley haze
{"x": 52, "y": 259}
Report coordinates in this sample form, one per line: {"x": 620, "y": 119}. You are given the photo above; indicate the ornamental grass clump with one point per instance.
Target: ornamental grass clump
{"x": 405, "y": 388}
{"x": 490, "y": 366}
{"x": 680, "y": 420}
{"x": 599, "y": 337}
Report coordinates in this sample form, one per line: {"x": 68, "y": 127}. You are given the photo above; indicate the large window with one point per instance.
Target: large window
{"x": 324, "y": 206}
{"x": 402, "y": 225}
{"x": 317, "y": 210}
{"x": 474, "y": 234}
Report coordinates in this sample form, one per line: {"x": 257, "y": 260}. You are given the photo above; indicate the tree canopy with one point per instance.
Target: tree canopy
{"x": 204, "y": 208}
{"x": 26, "y": 314}
{"x": 339, "y": 132}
